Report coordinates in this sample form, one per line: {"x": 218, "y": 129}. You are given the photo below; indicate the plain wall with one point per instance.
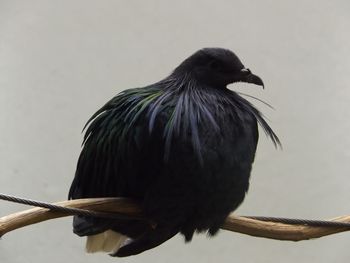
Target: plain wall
{"x": 61, "y": 60}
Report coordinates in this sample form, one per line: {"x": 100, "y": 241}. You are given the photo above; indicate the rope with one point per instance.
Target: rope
{"x": 66, "y": 210}
{"x": 90, "y": 213}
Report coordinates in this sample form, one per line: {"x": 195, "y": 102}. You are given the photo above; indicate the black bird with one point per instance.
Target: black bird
{"x": 183, "y": 147}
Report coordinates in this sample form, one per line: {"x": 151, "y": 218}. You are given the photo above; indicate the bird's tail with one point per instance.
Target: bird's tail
{"x": 104, "y": 235}
{"x": 108, "y": 241}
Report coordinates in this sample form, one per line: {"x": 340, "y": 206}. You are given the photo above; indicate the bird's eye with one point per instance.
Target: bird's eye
{"x": 214, "y": 65}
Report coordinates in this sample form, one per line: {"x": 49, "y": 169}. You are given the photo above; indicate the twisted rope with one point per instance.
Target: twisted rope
{"x": 66, "y": 210}
{"x": 84, "y": 212}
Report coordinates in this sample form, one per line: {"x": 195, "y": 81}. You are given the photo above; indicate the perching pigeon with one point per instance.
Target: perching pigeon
{"x": 182, "y": 147}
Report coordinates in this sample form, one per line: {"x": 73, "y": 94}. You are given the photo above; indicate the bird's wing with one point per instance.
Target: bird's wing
{"x": 114, "y": 146}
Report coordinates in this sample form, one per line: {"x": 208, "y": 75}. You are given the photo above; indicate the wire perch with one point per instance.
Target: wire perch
{"x": 243, "y": 225}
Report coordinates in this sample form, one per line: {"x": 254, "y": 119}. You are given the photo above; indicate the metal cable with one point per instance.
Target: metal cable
{"x": 306, "y": 222}
{"x": 66, "y": 210}
{"x": 84, "y": 212}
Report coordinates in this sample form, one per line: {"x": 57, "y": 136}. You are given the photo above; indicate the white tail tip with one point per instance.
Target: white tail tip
{"x": 108, "y": 242}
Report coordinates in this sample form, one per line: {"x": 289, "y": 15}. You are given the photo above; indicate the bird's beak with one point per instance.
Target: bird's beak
{"x": 249, "y": 77}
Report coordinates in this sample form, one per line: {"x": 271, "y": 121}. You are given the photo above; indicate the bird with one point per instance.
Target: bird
{"x": 182, "y": 147}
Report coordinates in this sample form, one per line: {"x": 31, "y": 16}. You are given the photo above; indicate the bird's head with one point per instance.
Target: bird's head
{"x": 217, "y": 67}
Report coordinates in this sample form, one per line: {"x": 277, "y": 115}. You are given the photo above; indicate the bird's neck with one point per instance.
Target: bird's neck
{"x": 181, "y": 81}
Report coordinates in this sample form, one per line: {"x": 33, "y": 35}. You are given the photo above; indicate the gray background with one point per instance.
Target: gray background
{"x": 61, "y": 60}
